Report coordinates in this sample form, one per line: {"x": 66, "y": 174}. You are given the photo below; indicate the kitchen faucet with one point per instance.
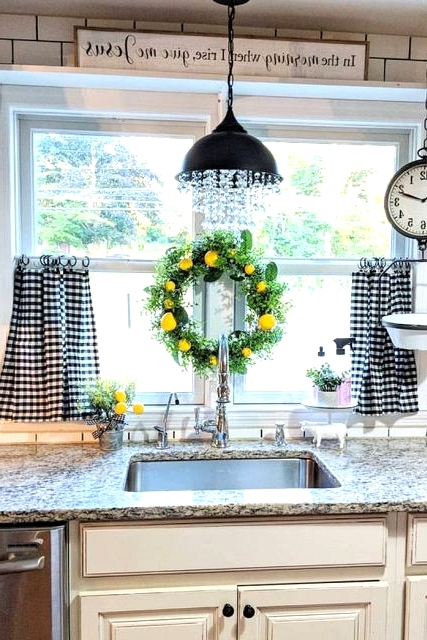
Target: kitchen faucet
{"x": 218, "y": 427}
{"x": 162, "y": 438}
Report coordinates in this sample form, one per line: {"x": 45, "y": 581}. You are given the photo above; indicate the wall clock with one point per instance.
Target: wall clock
{"x": 405, "y": 200}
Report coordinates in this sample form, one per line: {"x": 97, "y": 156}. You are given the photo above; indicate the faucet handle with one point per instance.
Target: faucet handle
{"x": 162, "y": 437}
{"x": 280, "y": 434}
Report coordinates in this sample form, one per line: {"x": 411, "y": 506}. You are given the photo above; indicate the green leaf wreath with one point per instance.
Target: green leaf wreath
{"x": 207, "y": 258}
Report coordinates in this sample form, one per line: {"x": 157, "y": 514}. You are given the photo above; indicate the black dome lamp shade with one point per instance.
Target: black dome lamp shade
{"x": 229, "y": 172}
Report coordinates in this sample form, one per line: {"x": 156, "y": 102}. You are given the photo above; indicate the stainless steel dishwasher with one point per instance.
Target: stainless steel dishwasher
{"x": 33, "y": 594}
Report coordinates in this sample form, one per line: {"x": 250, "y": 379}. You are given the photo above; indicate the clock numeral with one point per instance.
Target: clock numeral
{"x": 411, "y": 180}
{"x": 396, "y": 201}
{"x": 423, "y": 174}
{"x": 410, "y": 222}
{"x": 400, "y": 187}
{"x": 423, "y": 225}
{"x": 401, "y": 214}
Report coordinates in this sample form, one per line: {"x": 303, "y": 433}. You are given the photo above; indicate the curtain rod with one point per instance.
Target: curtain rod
{"x": 104, "y": 264}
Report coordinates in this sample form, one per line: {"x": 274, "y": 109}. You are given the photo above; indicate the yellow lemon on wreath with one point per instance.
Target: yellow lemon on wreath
{"x": 211, "y": 258}
{"x": 249, "y": 269}
{"x": 120, "y": 408}
{"x": 120, "y": 395}
{"x": 138, "y": 408}
{"x": 170, "y": 285}
{"x": 213, "y": 361}
{"x": 246, "y": 352}
{"x": 168, "y": 322}
{"x": 266, "y": 322}
{"x": 184, "y": 345}
{"x": 168, "y": 304}
{"x": 261, "y": 286}
{"x": 185, "y": 264}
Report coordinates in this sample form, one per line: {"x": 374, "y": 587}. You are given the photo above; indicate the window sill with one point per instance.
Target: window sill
{"x": 290, "y": 88}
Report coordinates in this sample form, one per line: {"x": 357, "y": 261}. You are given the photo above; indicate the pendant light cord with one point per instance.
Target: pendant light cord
{"x": 230, "y": 78}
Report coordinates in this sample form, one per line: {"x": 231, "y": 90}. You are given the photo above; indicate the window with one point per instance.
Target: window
{"x": 109, "y": 192}
{"x": 330, "y": 215}
{"x": 106, "y": 188}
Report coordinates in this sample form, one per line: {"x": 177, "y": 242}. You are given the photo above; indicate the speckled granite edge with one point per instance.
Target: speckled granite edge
{"x": 40, "y": 483}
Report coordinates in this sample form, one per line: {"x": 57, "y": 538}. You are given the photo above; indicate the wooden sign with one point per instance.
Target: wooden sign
{"x": 208, "y": 55}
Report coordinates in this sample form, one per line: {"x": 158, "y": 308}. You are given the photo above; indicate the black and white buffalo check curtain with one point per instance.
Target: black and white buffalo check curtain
{"x": 51, "y": 348}
{"x": 384, "y": 378}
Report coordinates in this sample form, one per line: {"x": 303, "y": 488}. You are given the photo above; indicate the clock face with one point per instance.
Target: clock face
{"x": 405, "y": 200}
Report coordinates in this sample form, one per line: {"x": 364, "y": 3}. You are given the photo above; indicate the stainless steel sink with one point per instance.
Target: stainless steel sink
{"x": 228, "y": 474}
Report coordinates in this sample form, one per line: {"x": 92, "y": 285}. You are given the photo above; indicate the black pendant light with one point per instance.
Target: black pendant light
{"x": 230, "y": 172}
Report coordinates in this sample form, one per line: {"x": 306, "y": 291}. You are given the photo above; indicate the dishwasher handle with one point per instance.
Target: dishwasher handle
{"x": 21, "y": 564}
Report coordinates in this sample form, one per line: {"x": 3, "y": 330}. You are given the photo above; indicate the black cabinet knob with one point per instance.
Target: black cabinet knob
{"x": 228, "y": 610}
{"x": 248, "y": 611}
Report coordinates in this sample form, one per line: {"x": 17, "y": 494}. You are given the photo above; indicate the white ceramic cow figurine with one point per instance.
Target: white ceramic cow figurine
{"x": 319, "y": 432}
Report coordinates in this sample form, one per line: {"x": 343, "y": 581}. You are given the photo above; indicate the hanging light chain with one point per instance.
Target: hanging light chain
{"x": 230, "y": 77}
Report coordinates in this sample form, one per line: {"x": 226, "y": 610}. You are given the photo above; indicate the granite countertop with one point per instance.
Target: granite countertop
{"x": 41, "y": 483}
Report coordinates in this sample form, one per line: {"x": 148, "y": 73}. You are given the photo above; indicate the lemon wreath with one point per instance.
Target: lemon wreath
{"x": 208, "y": 257}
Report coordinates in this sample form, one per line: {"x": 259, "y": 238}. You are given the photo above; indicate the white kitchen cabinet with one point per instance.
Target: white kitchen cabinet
{"x": 295, "y": 543}
{"x": 416, "y": 585}
{"x": 271, "y": 579}
{"x": 159, "y": 614}
{"x": 335, "y": 611}
{"x": 416, "y": 608}
{"x": 272, "y": 612}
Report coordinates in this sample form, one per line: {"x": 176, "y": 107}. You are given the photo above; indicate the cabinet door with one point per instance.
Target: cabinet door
{"x": 416, "y": 608}
{"x": 161, "y": 614}
{"x": 335, "y": 611}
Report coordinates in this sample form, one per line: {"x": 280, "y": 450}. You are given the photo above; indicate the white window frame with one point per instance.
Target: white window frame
{"x": 401, "y": 139}
{"x": 27, "y": 126}
{"x": 285, "y": 104}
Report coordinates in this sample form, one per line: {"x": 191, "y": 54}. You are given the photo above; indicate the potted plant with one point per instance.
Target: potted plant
{"x": 106, "y": 407}
{"x": 326, "y": 384}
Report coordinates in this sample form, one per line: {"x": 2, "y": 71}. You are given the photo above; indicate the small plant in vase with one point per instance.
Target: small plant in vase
{"x": 107, "y": 405}
{"x": 326, "y": 384}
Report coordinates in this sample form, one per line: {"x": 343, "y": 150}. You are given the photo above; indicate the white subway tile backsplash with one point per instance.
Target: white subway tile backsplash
{"x": 257, "y": 32}
{"x": 5, "y": 51}
{"x": 59, "y": 436}
{"x": 418, "y": 48}
{"x": 17, "y": 437}
{"x": 389, "y": 54}
{"x": 39, "y": 53}
{"x": 405, "y": 71}
{"x": 343, "y": 36}
{"x": 12, "y": 26}
{"x": 111, "y": 24}
{"x": 57, "y": 29}
{"x": 205, "y": 28}
{"x": 367, "y": 432}
{"x": 376, "y": 70}
{"x": 407, "y": 432}
{"x": 68, "y": 54}
{"x": 302, "y": 34}
{"x": 385, "y": 46}
{"x": 158, "y": 26}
